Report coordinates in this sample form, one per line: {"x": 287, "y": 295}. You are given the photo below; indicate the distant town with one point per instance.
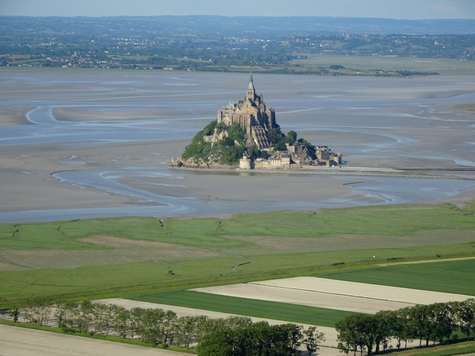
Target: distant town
{"x": 176, "y": 43}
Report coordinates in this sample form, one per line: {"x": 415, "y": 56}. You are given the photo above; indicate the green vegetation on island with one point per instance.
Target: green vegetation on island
{"x": 227, "y": 151}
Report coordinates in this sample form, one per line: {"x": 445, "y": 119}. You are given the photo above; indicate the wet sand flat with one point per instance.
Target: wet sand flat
{"x": 129, "y": 120}
{"x": 14, "y": 116}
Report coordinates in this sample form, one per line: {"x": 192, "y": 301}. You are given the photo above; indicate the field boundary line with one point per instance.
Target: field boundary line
{"x": 426, "y": 261}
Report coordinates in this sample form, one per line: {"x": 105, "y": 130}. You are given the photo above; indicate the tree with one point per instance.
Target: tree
{"x": 15, "y": 312}
{"x": 358, "y": 330}
{"x": 291, "y": 137}
{"x": 280, "y": 146}
{"x": 312, "y": 337}
{"x": 254, "y": 339}
{"x": 347, "y": 335}
{"x": 217, "y": 343}
{"x": 383, "y": 324}
{"x": 443, "y": 320}
{"x": 274, "y": 135}
{"x": 465, "y": 316}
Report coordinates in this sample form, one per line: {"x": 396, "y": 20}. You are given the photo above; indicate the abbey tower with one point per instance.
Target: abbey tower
{"x": 250, "y": 113}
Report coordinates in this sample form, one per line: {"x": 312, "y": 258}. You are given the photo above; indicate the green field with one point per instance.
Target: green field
{"x": 247, "y": 307}
{"x": 122, "y": 256}
{"x": 392, "y": 63}
{"x": 463, "y": 348}
{"x": 392, "y": 220}
{"x": 120, "y": 279}
{"x": 449, "y": 277}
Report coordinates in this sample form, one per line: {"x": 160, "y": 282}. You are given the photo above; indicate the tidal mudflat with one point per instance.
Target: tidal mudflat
{"x": 80, "y": 144}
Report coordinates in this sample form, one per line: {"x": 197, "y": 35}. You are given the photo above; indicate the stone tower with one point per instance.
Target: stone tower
{"x": 251, "y": 114}
{"x": 251, "y": 91}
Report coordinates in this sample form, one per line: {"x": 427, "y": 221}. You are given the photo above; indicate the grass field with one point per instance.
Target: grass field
{"x": 463, "y": 348}
{"x": 393, "y": 220}
{"x": 449, "y": 277}
{"x": 115, "y": 280}
{"x": 118, "y": 256}
{"x": 247, "y": 307}
{"x": 392, "y": 63}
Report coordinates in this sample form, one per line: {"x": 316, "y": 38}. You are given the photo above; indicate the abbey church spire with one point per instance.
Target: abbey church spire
{"x": 251, "y": 91}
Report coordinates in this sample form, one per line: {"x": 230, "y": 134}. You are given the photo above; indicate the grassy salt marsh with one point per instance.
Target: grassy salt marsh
{"x": 122, "y": 256}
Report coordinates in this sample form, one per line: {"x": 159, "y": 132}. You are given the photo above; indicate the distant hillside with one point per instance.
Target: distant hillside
{"x": 239, "y": 26}
{"x": 217, "y": 43}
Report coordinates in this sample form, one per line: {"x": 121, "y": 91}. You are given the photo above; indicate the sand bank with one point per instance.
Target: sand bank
{"x": 14, "y": 116}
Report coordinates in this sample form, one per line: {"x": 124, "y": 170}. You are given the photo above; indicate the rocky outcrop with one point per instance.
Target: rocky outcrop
{"x": 216, "y": 136}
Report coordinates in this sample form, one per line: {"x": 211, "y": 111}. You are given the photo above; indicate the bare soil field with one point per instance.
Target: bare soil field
{"x": 304, "y": 297}
{"x": 362, "y": 290}
{"x": 17, "y": 341}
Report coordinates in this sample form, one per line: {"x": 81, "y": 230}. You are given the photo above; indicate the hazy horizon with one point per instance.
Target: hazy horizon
{"x": 387, "y": 9}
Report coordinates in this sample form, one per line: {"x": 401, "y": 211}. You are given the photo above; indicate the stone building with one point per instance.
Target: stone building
{"x": 251, "y": 114}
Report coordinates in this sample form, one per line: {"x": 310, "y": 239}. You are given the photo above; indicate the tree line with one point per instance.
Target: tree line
{"x": 433, "y": 322}
{"x": 235, "y": 335}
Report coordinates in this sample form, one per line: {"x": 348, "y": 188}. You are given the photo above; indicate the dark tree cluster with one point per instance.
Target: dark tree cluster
{"x": 434, "y": 322}
{"x": 231, "y": 336}
{"x": 260, "y": 339}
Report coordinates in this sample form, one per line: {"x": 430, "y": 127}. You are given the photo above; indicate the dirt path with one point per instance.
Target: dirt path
{"x": 427, "y": 261}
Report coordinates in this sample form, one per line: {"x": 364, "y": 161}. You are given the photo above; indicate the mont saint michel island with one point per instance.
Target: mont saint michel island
{"x": 246, "y": 136}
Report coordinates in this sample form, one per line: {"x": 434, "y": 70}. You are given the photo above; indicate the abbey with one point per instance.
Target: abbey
{"x": 246, "y": 135}
{"x": 251, "y": 114}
